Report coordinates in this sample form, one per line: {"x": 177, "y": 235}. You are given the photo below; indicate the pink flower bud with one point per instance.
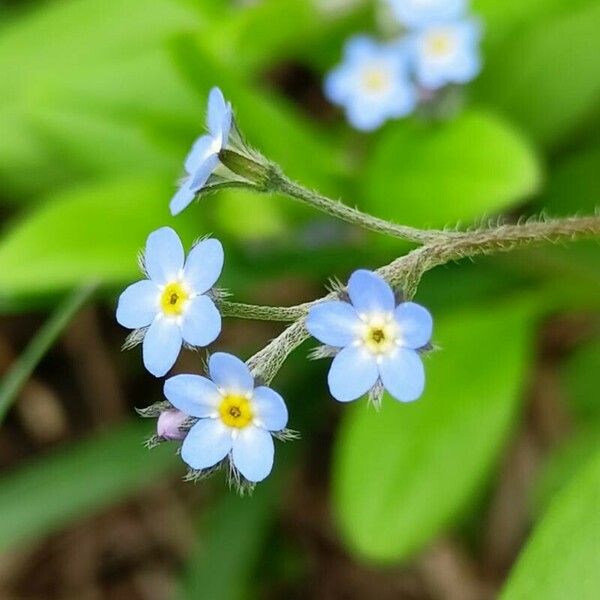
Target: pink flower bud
{"x": 169, "y": 423}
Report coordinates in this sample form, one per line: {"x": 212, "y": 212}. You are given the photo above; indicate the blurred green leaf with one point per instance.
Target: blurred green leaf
{"x": 561, "y": 558}
{"x": 561, "y": 467}
{"x": 402, "y": 474}
{"x": 72, "y": 483}
{"x": 547, "y": 78}
{"x": 20, "y": 371}
{"x": 574, "y": 185}
{"x": 232, "y": 533}
{"x": 88, "y": 233}
{"x": 435, "y": 174}
{"x": 580, "y": 377}
{"x": 87, "y": 76}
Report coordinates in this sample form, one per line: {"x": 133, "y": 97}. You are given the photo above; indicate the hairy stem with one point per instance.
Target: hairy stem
{"x": 254, "y": 312}
{"x": 280, "y": 183}
{"x": 406, "y": 272}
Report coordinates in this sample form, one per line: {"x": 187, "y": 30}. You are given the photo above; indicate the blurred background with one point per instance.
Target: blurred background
{"x": 488, "y": 483}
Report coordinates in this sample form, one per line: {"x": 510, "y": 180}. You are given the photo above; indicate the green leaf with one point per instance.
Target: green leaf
{"x": 87, "y": 233}
{"x": 20, "y": 371}
{"x": 574, "y": 185}
{"x": 580, "y": 377}
{"x": 89, "y": 95}
{"x": 547, "y": 78}
{"x": 435, "y": 174}
{"x": 232, "y": 533}
{"x": 77, "y": 481}
{"x": 401, "y": 475}
{"x": 561, "y": 558}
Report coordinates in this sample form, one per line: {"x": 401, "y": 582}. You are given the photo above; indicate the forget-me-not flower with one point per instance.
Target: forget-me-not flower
{"x": 203, "y": 158}
{"x": 422, "y": 13}
{"x": 372, "y": 83}
{"x": 235, "y": 418}
{"x": 446, "y": 53}
{"x": 379, "y": 340}
{"x": 171, "y": 307}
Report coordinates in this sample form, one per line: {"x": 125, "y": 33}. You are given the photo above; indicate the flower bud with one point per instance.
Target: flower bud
{"x": 169, "y": 425}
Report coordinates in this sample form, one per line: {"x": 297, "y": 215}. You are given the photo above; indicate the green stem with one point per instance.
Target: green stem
{"x": 21, "y": 370}
{"x": 280, "y": 183}
{"x": 284, "y": 314}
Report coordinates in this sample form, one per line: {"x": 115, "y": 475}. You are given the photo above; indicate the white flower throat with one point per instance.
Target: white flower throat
{"x": 379, "y": 334}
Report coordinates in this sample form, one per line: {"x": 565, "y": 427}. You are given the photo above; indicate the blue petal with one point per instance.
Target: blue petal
{"x": 269, "y": 409}
{"x": 353, "y": 373}
{"x": 201, "y": 322}
{"x": 182, "y": 198}
{"x": 138, "y": 304}
{"x": 334, "y": 323}
{"x": 161, "y": 346}
{"x": 365, "y": 116}
{"x": 253, "y": 453}
{"x": 230, "y": 373}
{"x": 370, "y": 293}
{"x": 219, "y": 113}
{"x": 204, "y": 265}
{"x": 339, "y": 85}
{"x": 164, "y": 255}
{"x": 203, "y": 147}
{"x": 203, "y": 172}
{"x": 415, "y": 323}
{"x": 403, "y": 375}
{"x": 192, "y": 394}
{"x": 207, "y": 443}
{"x": 420, "y": 14}
{"x": 359, "y": 47}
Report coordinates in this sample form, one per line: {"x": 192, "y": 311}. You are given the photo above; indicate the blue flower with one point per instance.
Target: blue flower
{"x": 203, "y": 158}
{"x": 422, "y": 13}
{"x": 446, "y": 53}
{"x": 378, "y": 340}
{"x": 171, "y": 306}
{"x": 372, "y": 83}
{"x": 235, "y": 419}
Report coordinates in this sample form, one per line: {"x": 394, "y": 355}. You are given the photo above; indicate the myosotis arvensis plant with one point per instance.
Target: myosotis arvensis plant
{"x": 374, "y": 332}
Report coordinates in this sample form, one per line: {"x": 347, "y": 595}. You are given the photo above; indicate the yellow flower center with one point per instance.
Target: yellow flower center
{"x": 379, "y": 335}
{"x": 236, "y": 411}
{"x": 173, "y": 299}
{"x": 439, "y": 44}
{"x": 375, "y": 79}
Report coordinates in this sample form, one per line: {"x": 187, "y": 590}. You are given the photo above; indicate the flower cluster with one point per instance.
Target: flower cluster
{"x": 229, "y": 417}
{"x": 438, "y": 46}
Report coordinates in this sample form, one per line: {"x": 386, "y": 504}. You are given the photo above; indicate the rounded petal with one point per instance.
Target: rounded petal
{"x": 353, "y": 373}
{"x": 204, "y": 265}
{"x": 230, "y": 373}
{"x": 339, "y": 85}
{"x": 359, "y": 47}
{"x": 207, "y": 443}
{"x": 370, "y": 293}
{"x": 138, "y": 304}
{"x": 269, "y": 409}
{"x": 403, "y": 375}
{"x": 203, "y": 147}
{"x": 334, "y": 323}
{"x": 203, "y": 172}
{"x": 415, "y": 323}
{"x": 365, "y": 116}
{"x": 182, "y": 198}
{"x": 201, "y": 324}
{"x": 164, "y": 255}
{"x": 219, "y": 113}
{"x": 161, "y": 345}
{"x": 192, "y": 394}
{"x": 253, "y": 453}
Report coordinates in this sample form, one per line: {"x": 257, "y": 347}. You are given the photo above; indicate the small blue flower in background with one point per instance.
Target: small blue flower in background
{"x": 378, "y": 340}
{"x": 372, "y": 83}
{"x": 236, "y": 419}
{"x": 204, "y": 155}
{"x": 171, "y": 306}
{"x": 446, "y": 53}
{"x": 422, "y": 13}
